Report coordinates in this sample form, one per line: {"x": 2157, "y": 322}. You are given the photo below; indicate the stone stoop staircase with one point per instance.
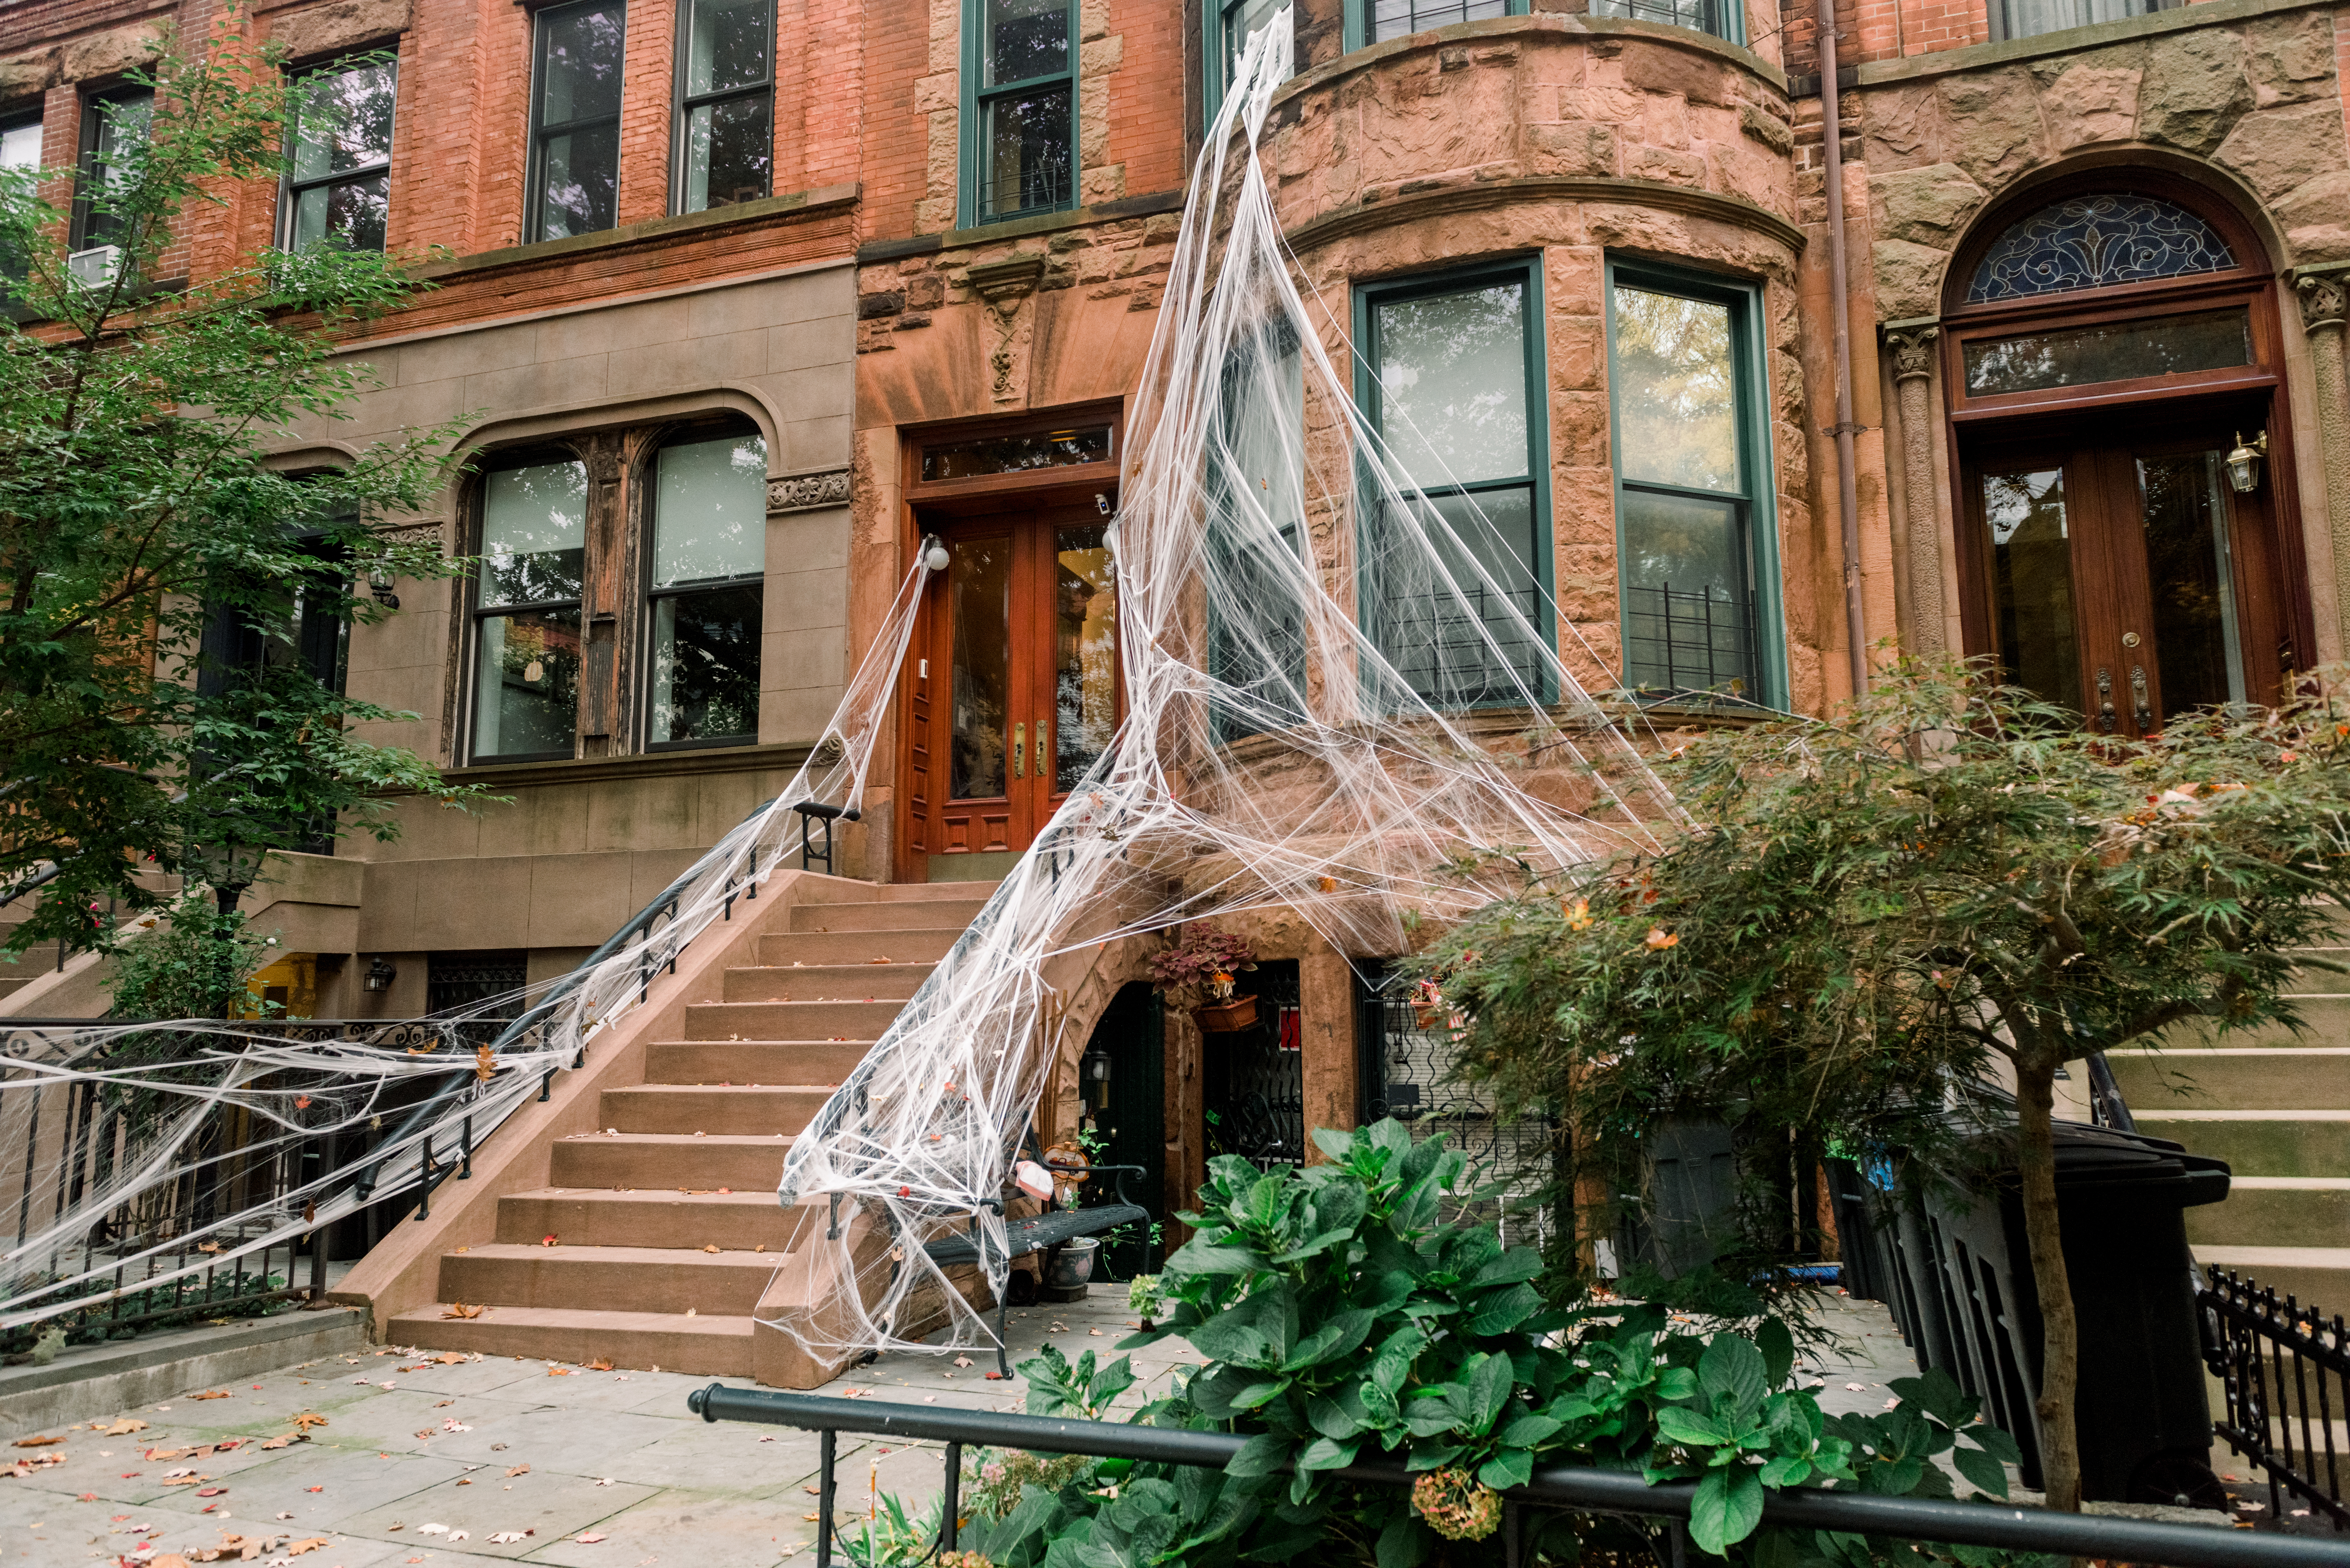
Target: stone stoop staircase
{"x": 666, "y": 1227}
{"x": 2276, "y": 1107}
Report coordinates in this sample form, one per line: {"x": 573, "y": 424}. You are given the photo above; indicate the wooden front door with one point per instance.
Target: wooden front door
{"x": 1016, "y": 693}
{"x": 2126, "y": 580}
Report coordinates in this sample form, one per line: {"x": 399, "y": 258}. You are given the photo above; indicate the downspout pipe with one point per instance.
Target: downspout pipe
{"x": 1856, "y": 624}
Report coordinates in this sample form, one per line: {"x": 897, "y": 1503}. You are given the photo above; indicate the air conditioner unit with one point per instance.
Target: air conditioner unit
{"x": 96, "y": 266}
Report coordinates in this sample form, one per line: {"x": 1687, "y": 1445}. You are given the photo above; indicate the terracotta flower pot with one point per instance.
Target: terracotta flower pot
{"x": 1223, "y": 1017}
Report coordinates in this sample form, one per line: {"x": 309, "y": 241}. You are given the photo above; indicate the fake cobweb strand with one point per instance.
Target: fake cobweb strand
{"x": 314, "y": 1094}
{"x": 1272, "y": 758}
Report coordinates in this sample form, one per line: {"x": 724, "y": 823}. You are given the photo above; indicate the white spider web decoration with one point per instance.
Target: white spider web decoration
{"x": 1279, "y": 751}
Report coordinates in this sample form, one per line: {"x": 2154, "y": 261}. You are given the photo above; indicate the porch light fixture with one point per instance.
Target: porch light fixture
{"x": 1093, "y": 1078}
{"x": 934, "y": 553}
{"x": 379, "y": 585}
{"x": 2244, "y": 462}
{"x": 379, "y": 975}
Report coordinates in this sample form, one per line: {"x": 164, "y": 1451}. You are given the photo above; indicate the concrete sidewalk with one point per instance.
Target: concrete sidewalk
{"x": 496, "y": 1446}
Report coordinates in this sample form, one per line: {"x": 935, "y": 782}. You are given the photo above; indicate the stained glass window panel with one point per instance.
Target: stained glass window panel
{"x": 2096, "y": 242}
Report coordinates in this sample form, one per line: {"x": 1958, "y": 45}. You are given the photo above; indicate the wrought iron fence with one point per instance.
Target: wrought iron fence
{"x": 74, "y": 1134}
{"x": 1465, "y": 648}
{"x": 1409, "y": 1072}
{"x": 1680, "y": 643}
{"x": 2284, "y": 1371}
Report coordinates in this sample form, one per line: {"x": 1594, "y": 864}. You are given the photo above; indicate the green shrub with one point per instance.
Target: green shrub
{"x": 1342, "y": 1320}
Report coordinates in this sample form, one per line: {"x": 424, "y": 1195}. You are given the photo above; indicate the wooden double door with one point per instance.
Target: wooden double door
{"x": 2120, "y": 574}
{"x": 1015, "y": 692}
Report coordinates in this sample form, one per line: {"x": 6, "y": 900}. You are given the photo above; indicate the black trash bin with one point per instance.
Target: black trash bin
{"x": 2144, "y": 1422}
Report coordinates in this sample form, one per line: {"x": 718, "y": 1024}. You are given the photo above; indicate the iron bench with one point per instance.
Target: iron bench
{"x": 1039, "y": 1233}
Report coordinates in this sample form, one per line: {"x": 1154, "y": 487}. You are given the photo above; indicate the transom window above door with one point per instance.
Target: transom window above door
{"x": 2096, "y": 241}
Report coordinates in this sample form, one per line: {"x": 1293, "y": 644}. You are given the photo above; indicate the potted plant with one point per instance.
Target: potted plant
{"x": 1199, "y": 973}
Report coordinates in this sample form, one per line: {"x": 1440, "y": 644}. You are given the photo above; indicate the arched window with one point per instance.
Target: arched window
{"x": 709, "y": 560}
{"x": 2105, "y": 350}
{"x": 2094, "y": 242}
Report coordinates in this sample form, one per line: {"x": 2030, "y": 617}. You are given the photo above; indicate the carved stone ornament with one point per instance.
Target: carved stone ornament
{"x": 1913, "y": 351}
{"x": 2324, "y": 298}
{"x": 802, "y": 492}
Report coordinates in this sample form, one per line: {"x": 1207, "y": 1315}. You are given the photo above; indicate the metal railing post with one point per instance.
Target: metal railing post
{"x": 825, "y": 1445}
{"x": 947, "y": 1521}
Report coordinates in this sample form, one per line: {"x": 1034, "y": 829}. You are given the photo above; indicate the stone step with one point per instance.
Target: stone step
{"x": 598, "y": 1217}
{"x": 880, "y": 978}
{"x": 741, "y": 1021}
{"x": 894, "y": 915}
{"x": 2242, "y": 1078}
{"x": 668, "y": 1161}
{"x": 718, "y": 1109}
{"x": 844, "y": 891}
{"x": 704, "y": 1346}
{"x": 668, "y": 1279}
{"x": 2324, "y": 1006}
{"x": 2314, "y": 1276}
{"x": 820, "y": 1063}
{"x": 2276, "y": 1211}
{"x": 2260, "y": 1143}
{"x": 924, "y": 944}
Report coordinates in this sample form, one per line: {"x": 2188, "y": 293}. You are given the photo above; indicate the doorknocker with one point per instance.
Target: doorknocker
{"x": 2106, "y": 717}
{"x": 2140, "y": 706}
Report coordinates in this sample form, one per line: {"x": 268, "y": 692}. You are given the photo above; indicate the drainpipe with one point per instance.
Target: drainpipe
{"x": 1847, "y": 482}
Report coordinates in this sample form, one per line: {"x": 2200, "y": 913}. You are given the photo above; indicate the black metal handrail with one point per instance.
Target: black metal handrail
{"x": 642, "y": 925}
{"x": 1555, "y": 1488}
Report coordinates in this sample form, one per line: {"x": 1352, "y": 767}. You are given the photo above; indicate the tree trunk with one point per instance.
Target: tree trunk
{"x": 2060, "y": 1442}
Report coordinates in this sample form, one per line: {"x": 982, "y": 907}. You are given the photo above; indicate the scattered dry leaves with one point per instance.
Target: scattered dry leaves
{"x": 459, "y": 1309}
{"x": 34, "y": 1442}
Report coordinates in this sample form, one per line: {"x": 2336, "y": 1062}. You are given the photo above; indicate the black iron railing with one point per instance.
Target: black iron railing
{"x": 1559, "y": 1489}
{"x": 1680, "y": 643}
{"x": 2284, "y": 1369}
{"x": 1465, "y": 648}
{"x": 72, "y": 1135}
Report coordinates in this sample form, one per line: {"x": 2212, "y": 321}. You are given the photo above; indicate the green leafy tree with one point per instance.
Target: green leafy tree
{"x": 1869, "y": 919}
{"x": 137, "y": 508}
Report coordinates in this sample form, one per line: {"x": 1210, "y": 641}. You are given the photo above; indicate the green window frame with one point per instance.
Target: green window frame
{"x": 1257, "y": 633}
{"x": 1725, "y": 19}
{"x": 1376, "y": 21}
{"x": 1696, "y": 519}
{"x": 1413, "y": 634}
{"x": 1019, "y": 109}
{"x": 1229, "y": 24}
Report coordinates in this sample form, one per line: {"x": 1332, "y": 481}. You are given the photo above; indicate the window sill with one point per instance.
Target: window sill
{"x": 1371, "y": 55}
{"x": 792, "y": 205}
{"x": 2067, "y": 41}
{"x": 696, "y": 760}
{"x": 1019, "y": 228}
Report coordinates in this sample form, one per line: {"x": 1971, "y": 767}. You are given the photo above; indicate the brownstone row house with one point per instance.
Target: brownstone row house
{"x": 2040, "y": 355}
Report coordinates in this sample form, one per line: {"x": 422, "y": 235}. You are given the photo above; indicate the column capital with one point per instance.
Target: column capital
{"x": 1912, "y": 343}
{"x": 2324, "y": 296}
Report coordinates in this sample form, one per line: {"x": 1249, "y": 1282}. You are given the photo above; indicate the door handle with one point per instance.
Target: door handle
{"x": 2141, "y": 707}
{"x": 1043, "y": 769}
{"x": 2105, "y": 716}
{"x": 1019, "y": 745}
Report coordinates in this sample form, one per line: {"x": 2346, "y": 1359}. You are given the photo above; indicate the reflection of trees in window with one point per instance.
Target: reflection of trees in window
{"x": 727, "y": 108}
{"x": 114, "y": 136}
{"x": 576, "y": 119}
{"x": 1025, "y": 107}
{"x": 338, "y": 178}
{"x": 1683, "y": 502}
{"x": 709, "y": 557}
{"x": 526, "y": 631}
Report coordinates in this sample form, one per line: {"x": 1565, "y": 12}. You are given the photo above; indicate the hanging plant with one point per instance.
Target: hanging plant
{"x": 1202, "y": 973}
